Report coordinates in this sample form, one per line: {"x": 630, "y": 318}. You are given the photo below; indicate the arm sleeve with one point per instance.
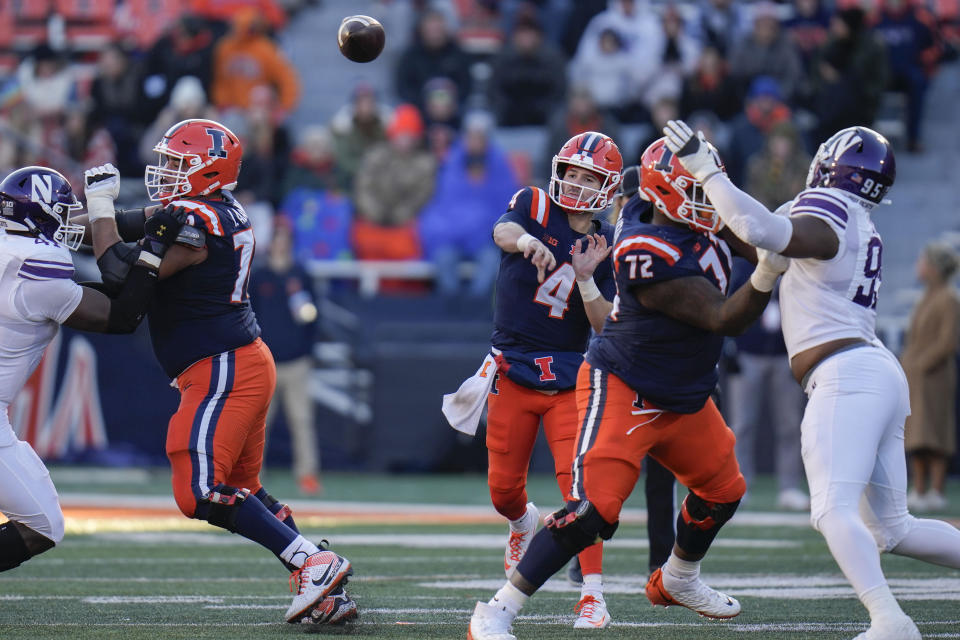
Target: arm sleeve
{"x": 748, "y": 219}
{"x": 52, "y": 299}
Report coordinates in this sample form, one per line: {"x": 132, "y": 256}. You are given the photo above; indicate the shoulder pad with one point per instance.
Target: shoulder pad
{"x": 648, "y": 244}
{"x": 202, "y": 215}
{"x": 532, "y": 201}
{"x": 192, "y": 237}
{"x": 822, "y": 204}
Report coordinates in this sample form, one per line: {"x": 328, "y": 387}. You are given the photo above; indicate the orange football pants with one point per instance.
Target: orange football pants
{"x": 617, "y": 429}
{"x": 514, "y": 414}
{"x": 217, "y": 434}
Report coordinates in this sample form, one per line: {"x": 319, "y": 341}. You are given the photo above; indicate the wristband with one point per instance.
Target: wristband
{"x": 99, "y": 208}
{"x": 763, "y": 280}
{"x": 588, "y": 289}
{"x": 524, "y": 241}
{"x": 149, "y": 260}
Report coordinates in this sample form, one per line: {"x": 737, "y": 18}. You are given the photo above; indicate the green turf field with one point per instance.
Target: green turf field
{"x": 179, "y": 579}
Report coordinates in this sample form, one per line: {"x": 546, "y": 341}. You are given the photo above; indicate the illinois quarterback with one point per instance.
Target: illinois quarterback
{"x": 552, "y": 289}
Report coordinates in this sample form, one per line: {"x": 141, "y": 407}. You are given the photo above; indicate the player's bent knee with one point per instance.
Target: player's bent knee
{"x": 578, "y": 526}
{"x": 49, "y": 523}
{"x": 221, "y": 506}
{"x": 891, "y": 533}
{"x": 700, "y": 521}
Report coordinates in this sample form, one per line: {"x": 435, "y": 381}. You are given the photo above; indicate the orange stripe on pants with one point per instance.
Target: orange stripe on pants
{"x": 217, "y": 434}
{"x": 696, "y": 447}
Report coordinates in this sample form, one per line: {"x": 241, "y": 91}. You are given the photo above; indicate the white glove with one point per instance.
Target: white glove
{"x": 692, "y": 150}
{"x": 101, "y": 186}
{"x": 769, "y": 267}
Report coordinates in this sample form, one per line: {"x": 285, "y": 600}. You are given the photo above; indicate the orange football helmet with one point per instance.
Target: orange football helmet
{"x": 594, "y": 152}
{"x": 197, "y": 157}
{"x": 675, "y": 192}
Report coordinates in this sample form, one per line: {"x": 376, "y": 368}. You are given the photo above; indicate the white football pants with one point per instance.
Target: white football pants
{"x": 852, "y": 447}
{"x": 27, "y": 494}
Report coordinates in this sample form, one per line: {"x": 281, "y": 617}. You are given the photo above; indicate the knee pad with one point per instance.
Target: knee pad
{"x": 220, "y": 506}
{"x": 700, "y": 521}
{"x": 578, "y": 526}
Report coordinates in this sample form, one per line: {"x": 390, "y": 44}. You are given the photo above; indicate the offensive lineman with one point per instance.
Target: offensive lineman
{"x": 852, "y": 429}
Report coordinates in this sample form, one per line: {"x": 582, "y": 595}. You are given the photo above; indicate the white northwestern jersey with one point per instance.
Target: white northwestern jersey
{"x": 36, "y": 297}
{"x": 824, "y": 300}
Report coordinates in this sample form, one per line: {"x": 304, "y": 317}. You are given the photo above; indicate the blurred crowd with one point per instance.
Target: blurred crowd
{"x": 414, "y": 170}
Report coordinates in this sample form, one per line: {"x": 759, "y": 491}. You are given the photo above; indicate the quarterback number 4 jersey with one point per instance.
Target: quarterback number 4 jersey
{"x": 542, "y": 327}
{"x": 836, "y": 298}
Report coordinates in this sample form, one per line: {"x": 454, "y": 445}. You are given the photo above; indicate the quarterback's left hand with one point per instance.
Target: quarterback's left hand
{"x": 692, "y": 150}
{"x": 101, "y": 186}
{"x": 585, "y": 260}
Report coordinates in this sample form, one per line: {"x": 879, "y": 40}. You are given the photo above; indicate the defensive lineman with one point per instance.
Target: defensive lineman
{"x": 852, "y": 429}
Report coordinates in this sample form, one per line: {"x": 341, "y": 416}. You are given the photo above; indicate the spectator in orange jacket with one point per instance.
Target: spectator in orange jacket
{"x": 246, "y": 58}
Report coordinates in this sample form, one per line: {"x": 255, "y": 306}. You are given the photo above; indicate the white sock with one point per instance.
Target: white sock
{"x": 510, "y": 599}
{"x": 881, "y": 604}
{"x": 298, "y": 551}
{"x": 933, "y": 541}
{"x": 592, "y": 585}
{"x": 681, "y": 570}
{"x": 523, "y": 522}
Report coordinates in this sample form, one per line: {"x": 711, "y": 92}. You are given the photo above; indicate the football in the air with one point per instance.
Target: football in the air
{"x": 361, "y": 38}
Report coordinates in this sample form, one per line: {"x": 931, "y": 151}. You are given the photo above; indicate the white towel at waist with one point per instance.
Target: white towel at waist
{"x": 464, "y": 407}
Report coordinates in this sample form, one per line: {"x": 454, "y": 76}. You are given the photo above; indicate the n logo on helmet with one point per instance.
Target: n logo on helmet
{"x": 217, "y": 151}
{"x": 41, "y": 188}
{"x": 842, "y": 143}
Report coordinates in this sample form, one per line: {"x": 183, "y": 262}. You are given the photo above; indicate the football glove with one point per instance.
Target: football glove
{"x": 161, "y": 229}
{"x": 101, "y": 186}
{"x": 692, "y": 150}
{"x": 769, "y": 267}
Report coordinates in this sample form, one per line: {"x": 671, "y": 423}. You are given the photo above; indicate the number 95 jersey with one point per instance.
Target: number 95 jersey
{"x": 542, "y": 328}
{"x": 824, "y": 300}
{"x": 667, "y": 362}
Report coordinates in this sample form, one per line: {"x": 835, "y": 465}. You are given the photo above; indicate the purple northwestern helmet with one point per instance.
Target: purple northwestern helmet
{"x": 39, "y": 201}
{"x": 858, "y": 160}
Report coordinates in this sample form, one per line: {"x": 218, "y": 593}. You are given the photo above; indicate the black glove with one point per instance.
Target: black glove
{"x": 162, "y": 228}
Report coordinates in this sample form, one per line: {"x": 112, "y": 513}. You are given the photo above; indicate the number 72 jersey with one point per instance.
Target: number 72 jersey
{"x": 204, "y": 309}
{"x": 542, "y": 328}
{"x": 669, "y": 363}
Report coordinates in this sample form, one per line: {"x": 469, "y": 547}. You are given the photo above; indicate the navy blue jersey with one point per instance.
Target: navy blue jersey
{"x": 669, "y": 363}
{"x": 204, "y": 309}
{"x": 542, "y": 328}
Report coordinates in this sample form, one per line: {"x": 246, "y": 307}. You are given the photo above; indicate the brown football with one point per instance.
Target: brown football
{"x": 361, "y": 38}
